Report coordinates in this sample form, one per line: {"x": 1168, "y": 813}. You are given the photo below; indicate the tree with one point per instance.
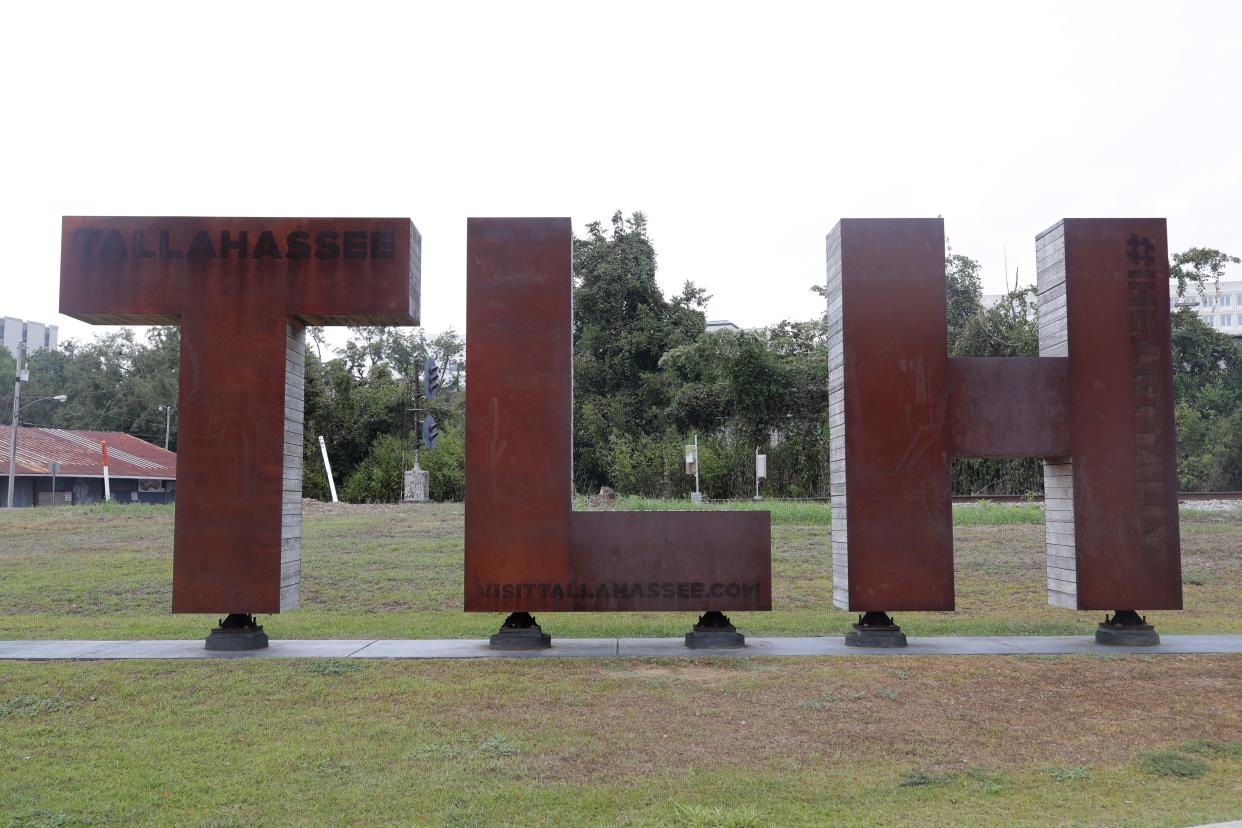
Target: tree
{"x": 1207, "y": 395}
{"x": 1007, "y": 329}
{"x": 360, "y": 401}
{"x": 1193, "y": 268}
{"x": 623, "y": 325}
{"x": 113, "y": 383}
{"x": 963, "y": 294}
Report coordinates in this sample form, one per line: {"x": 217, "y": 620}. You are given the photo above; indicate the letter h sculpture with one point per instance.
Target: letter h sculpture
{"x": 1096, "y": 406}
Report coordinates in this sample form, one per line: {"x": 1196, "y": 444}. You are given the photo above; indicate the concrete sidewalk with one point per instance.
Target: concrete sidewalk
{"x": 606, "y": 647}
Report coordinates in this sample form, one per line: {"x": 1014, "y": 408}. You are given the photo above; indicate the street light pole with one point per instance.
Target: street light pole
{"x": 17, "y": 399}
{"x": 167, "y": 409}
{"x": 17, "y": 410}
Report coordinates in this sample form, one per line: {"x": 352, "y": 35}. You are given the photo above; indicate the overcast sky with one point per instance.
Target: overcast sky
{"x": 744, "y": 132}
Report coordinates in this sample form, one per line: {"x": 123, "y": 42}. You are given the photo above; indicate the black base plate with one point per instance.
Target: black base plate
{"x": 520, "y": 638}
{"x": 237, "y": 640}
{"x": 872, "y": 637}
{"x": 1144, "y": 635}
{"x": 715, "y": 639}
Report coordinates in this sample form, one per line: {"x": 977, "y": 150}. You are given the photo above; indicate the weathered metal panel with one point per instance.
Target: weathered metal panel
{"x": 525, "y": 549}
{"x": 895, "y": 379}
{"x": 230, "y": 445}
{"x": 325, "y": 271}
{"x": 690, "y": 560}
{"x": 233, "y": 284}
{"x": 1124, "y": 462}
{"x": 519, "y": 455}
{"x": 1009, "y": 407}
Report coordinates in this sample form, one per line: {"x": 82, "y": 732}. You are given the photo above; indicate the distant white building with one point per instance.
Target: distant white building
{"x": 35, "y": 335}
{"x": 715, "y": 325}
{"x": 1218, "y": 305}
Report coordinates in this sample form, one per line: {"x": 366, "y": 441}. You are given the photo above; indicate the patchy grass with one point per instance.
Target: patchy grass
{"x": 704, "y": 816}
{"x": 1171, "y": 763}
{"x": 334, "y": 667}
{"x": 918, "y": 778}
{"x": 396, "y": 572}
{"x": 1213, "y": 748}
{"x": 641, "y": 742}
{"x": 31, "y": 706}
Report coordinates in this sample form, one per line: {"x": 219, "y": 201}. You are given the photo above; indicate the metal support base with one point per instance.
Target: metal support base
{"x": 237, "y": 632}
{"x": 714, "y": 631}
{"x": 1126, "y": 628}
{"x": 875, "y": 629}
{"x": 520, "y": 632}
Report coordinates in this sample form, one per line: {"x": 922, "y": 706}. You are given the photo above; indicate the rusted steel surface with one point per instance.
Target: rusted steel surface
{"x": 1009, "y": 407}
{"x": 323, "y": 271}
{"x": 231, "y": 404}
{"x": 1098, "y": 408}
{"x": 519, "y": 445}
{"x": 692, "y": 560}
{"x": 1121, "y": 383}
{"x": 896, "y": 378}
{"x": 80, "y": 454}
{"x": 235, "y": 285}
{"x": 526, "y": 550}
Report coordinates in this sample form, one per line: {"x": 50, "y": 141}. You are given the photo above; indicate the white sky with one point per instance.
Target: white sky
{"x": 743, "y": 131}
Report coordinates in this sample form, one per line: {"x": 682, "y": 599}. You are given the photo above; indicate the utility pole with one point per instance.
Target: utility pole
{"x": 418, "y": 427}
{"x": 167, "y": 409}
{"x": 17, "y": 398}
{"x": 416, "y": 483}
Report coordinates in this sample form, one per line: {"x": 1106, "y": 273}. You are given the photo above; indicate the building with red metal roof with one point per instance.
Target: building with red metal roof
{"x": 58, "y": 467}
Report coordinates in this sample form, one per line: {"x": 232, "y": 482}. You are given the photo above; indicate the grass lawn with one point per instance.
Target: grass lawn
{"x": 1117, "y": 740}
{"x": 1104, "y": 740}
{"x": 396, "y": 572}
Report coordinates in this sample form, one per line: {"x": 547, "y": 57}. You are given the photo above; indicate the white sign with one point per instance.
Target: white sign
{"x": 761, "y": 465}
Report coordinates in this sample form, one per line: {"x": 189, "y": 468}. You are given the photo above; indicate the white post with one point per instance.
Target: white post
{"x": 761, "y": 470}
{"x": 696, "y": 469}
{"x": 323, "y": 448}
{"x": 107, "y": 482}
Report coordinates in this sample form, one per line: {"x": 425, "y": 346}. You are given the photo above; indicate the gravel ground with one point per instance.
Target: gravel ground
{"x": 1212, "y": 505}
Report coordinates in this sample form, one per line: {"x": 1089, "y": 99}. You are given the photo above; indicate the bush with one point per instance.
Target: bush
{"x": 377, "y": 479}
{"x": 447, "y": 465}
